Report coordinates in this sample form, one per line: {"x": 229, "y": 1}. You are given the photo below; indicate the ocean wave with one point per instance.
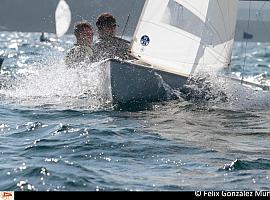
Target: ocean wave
{"x": 259, "y": 164}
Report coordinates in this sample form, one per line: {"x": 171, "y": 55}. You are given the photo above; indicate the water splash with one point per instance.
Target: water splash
{"x": 244, "y": 97}
{"x": 215, "y": 91}
{"x": 204, "y": 89}
{"x": 53, "y": 85}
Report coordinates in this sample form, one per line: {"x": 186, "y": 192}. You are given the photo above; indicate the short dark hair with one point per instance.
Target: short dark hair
{"x": 106, "y": 20}
{"x": 79, "y": 27}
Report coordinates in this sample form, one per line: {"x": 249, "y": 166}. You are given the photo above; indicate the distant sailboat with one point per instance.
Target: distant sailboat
{"x": 62, "y": 18}
{"x": 172, "y": 39}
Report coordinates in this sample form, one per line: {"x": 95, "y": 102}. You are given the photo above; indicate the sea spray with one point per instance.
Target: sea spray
{"x": 212, "y": 89}
{"x": 84, "y": 87}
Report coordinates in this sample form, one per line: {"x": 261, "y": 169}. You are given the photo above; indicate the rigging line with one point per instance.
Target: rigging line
{"x": 124, "y": 30}
{"x": 245, "y": 55}
{"x": 130, "y": 13}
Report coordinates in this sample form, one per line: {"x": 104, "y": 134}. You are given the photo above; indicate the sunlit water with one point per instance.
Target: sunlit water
{"x": 58, "y": 130}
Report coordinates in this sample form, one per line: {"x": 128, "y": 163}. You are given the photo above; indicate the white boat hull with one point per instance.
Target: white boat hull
{"x": 135, "y": 83}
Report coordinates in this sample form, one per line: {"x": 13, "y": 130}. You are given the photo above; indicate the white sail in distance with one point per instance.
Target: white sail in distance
{"x": 62, "y": 18}
{"x": 180, "y": 35}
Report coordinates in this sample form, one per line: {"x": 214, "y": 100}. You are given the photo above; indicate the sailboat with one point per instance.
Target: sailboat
{"x": 62, "y": 18}
{"x": 173, "y": 39}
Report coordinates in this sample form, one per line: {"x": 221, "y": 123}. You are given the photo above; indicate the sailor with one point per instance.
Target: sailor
{"x": 108, "y": 45}
{"x": 82, "y": 49}
{"x": 43, "y": 38}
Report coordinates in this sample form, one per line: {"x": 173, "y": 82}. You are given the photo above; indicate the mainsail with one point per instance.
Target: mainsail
{"x": 180, "y": 35}
{"x": 62, "y": 18}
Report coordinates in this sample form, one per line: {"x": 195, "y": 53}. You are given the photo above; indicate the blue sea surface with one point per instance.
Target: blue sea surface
{"x": 58, "y": 134}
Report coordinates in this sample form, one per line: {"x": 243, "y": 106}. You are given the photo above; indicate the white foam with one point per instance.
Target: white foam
{"x": 239, "y": 97}
{"x": 53, "y": 85}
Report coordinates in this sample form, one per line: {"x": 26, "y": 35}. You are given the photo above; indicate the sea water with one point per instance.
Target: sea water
{"x": 58, "y": 130}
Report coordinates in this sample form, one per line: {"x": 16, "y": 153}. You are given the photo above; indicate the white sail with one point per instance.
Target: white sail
{"x": 62, "y": 18}
{"x": 179, "y": 35}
